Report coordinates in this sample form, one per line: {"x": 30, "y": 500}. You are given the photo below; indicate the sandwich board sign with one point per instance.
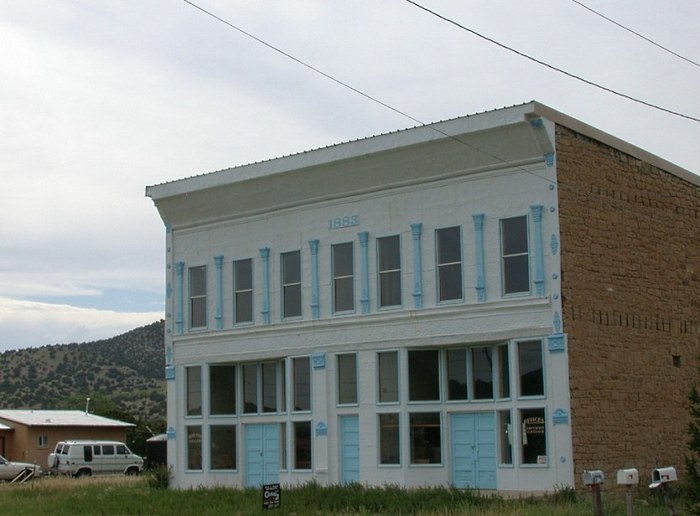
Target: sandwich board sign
{"x": 272, "y": 496}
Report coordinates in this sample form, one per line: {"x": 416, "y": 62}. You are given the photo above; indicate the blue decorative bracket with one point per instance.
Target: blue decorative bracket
{"x": 265, "y": 255}
{"x": 364, "y": 257}
{"x": 479, "y": 255}
{"x": 219, "y": 262}
{"x": 179, "y": 282}
{"x": 170, "y": 372}
{"x": 539, "y": 249}
{"x": 321, "y": 429}
{"x": 556, "y": 343}
{"x": 560, "y": 417}
{"x": 318, "y": 360}
{"x": 315, "y": 307}
{"x": 416, "y": 230}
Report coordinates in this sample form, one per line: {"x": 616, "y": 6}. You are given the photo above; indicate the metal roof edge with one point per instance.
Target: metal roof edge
{"x": 593, "y": 132}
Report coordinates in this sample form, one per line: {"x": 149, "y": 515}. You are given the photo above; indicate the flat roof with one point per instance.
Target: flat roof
{"x": 416, "y": 135}
{"x": 59, "y": 418}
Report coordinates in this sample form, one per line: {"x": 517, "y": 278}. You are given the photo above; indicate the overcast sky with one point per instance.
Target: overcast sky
{"x": 99, "y": 98}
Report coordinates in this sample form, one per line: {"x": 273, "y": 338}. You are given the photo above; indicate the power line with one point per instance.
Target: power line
{"x": 359, "y": 92}
{"x": 551, "y": 67}
{"x": 636, "y": 33}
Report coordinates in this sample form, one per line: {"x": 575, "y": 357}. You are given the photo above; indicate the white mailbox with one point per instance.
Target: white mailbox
{"x": 627, "y": 477}
{"x": 593, "y": 477}
{"x": 662, "y": 476}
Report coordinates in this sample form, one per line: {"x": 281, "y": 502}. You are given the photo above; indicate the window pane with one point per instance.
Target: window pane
{"x": 482, "y": 372}
{"x": 388, "y": 376}
{"x": 457, "y": 374}
{"x": 302, "y": 383}
{"x": 450, "y": 277}
{"x": 516, "y": 274}
{"x": 389, "y": 264}
{"x": 198, "y": 281}
{"x": 223, "y": 446}
{"x": 423, "y": 375}
{"x": 194, "y": 447}
{"x": 347, "y": 379}
{"x": 250, "y": 388}
{"x": 244, "y": 307}
{"x": 283, "y": 445}
{"x": 302, "y": 445}
{"x": 243, "y": 289}
{"x": 198, "y": 297}
{"x": 449, "y": 245}
{"x": 530, "y": 368}
{"x": 389, "y": 444}
{"x": 291, "y": 284}
{"x": 269, "y": 386}
{"x": 291, "y": 267}
{"x": 222, "y": 389}
{"x": 514, "y": 235}
{"x": 390, "y": 289}
{"x": 194, "y": 391}
{"x": 505, "y": 437}
{"x": 343, "y": 295}
{"x": 342, "y": 260}
{"x": 504, "y": 372}
{"x": 425, "y": 438}
{"x": 389, "y": 253}
{"x": 534, "y": 436}
{"x": 243, "y": 271}
{"x": 283, "y": 385}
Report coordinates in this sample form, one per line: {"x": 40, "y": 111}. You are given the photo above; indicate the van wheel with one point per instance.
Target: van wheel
{"x": 83, "y": 473}
{"x": 132, "y": 472}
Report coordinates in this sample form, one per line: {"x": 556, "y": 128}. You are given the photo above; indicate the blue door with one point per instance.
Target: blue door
{"x": 262, "y": 445}
{"x": 474, "y": 450}
{"x": 350, "y": 449}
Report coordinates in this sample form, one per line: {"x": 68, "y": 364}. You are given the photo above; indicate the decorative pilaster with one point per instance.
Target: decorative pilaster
{"x": 364, "y": 260}
{"x": 265, "y": 255}
{"x": 179, "y": 302}
{"x": 219, "y": 262}
{"x": 315, "y": 308}
{"x": 480, "y": 286}
{"x": 539, "y": 249}
{"x": 416, "y": 230}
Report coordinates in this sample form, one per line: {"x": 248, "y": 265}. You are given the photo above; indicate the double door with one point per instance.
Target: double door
{"x": 473, "y": 437}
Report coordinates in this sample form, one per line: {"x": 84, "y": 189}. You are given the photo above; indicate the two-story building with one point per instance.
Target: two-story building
{"x": 497, "y": 301}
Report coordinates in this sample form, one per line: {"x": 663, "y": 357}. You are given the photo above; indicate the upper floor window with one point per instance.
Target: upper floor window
{"x": 449, "y": 263}
{"x": 343, "y": 288}
{"x": 389, "y": 268}
{"x": 291, "y": 284}
{"x": 515, "y": 255}
{"x": 198, "y": 296}
{"x": 243, "y": 291}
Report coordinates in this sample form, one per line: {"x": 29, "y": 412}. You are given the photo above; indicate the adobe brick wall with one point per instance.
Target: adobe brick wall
{"x": 630, "y": 241}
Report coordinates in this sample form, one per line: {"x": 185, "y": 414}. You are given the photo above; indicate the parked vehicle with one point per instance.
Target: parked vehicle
{"x": 86, "y": 458}
{"x": 9, "y": 470}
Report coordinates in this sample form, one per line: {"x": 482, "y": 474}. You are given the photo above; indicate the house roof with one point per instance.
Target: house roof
{"x": 4, "y": 427}
{"x": 452, "y": 128}
{"x": 59, "y": 418}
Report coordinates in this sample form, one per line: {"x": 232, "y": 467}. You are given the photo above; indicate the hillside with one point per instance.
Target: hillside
{"x": 126, "y": 371}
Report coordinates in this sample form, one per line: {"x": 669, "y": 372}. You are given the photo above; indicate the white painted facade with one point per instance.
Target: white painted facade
{"x": 494, "y": 166}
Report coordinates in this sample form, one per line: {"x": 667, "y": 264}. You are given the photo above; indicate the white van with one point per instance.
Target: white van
{"x": 85, "y": 458}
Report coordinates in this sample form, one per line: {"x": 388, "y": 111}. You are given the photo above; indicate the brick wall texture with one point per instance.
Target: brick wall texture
{"x": 630, "y": 241}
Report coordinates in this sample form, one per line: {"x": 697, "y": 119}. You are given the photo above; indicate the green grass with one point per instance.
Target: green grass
{"x": 130, "y": 496}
